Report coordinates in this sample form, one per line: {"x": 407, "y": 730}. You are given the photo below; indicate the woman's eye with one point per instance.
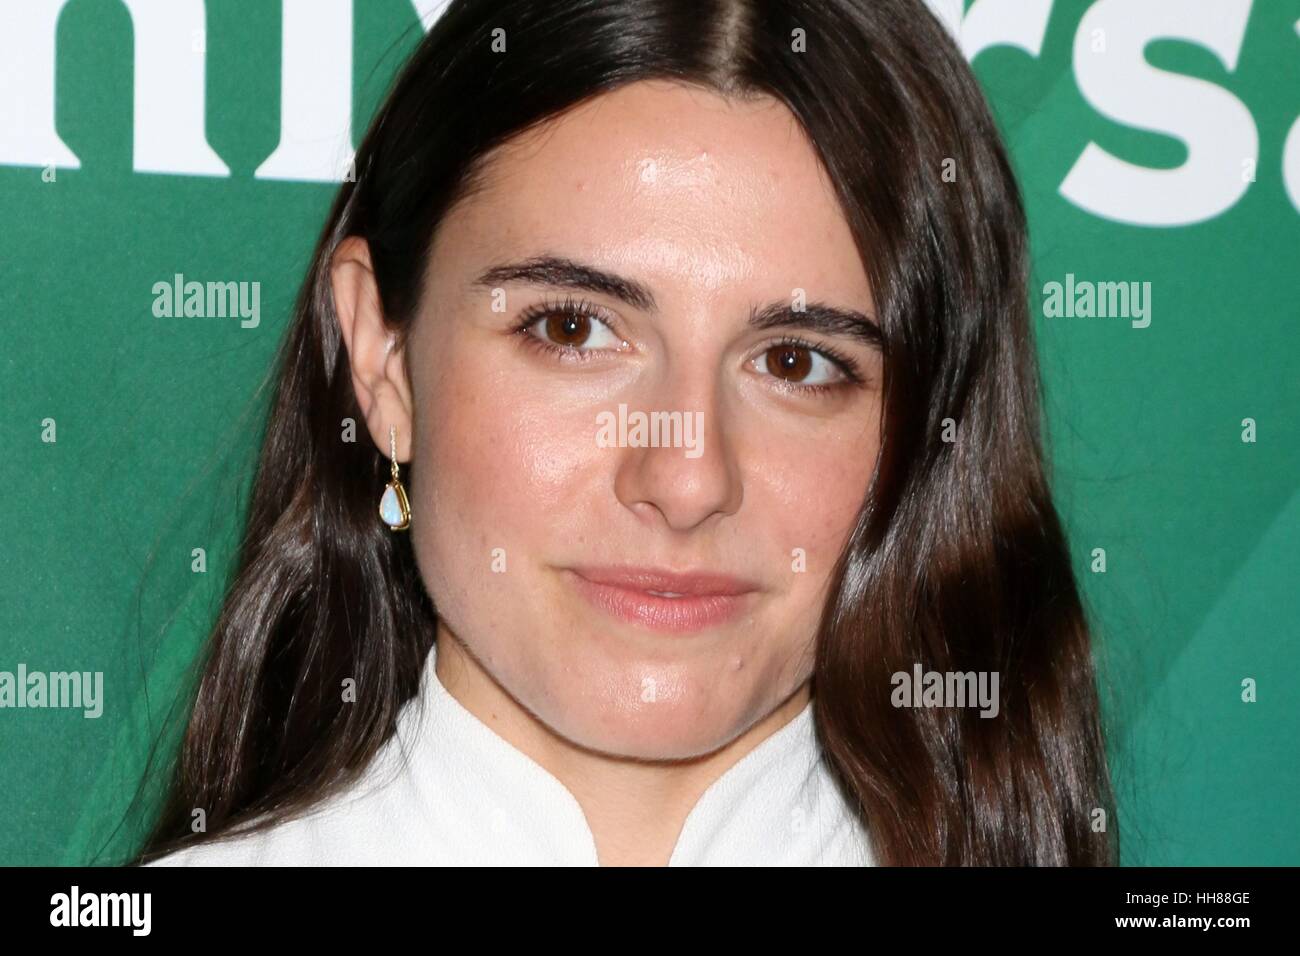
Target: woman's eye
{"x": 798, "y": 365}
{"x": 574, "y": 330}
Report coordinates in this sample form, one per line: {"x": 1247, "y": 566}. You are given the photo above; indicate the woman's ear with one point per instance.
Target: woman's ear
{"x": 378, "y": 372}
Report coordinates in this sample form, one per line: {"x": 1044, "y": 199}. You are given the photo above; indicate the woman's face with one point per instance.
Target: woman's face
{"x": 667, "y": 217}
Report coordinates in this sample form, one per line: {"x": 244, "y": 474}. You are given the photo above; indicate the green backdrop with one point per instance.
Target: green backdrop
{"x": 156, "y": 419}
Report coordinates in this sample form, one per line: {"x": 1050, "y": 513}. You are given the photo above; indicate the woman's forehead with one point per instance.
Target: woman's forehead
{"x": 671, "y": 179}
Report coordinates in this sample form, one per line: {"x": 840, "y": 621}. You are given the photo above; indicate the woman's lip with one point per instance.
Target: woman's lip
{"x": 693, "y": 611}
{"x": 690, "y": 584}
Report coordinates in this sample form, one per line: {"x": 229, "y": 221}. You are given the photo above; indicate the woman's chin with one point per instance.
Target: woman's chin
{"x": 676, "y": 718}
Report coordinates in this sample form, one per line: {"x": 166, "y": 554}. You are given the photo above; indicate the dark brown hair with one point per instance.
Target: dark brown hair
{"x": 958, "y": 561}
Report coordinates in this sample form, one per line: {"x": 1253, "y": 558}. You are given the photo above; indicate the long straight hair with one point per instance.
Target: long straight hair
{"x": 957, "y": 563}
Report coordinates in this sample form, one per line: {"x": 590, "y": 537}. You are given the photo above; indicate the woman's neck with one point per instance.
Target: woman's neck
{"x": 635, "y": 808}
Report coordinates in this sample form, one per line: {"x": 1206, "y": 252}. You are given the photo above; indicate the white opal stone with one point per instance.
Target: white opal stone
{"x": 390, "y": 509}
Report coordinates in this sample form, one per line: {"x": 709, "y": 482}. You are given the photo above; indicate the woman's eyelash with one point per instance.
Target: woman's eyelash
{"x": 569, "y": 306}
{"x": 843, "y": 362}
{"x": 580, "y": 307}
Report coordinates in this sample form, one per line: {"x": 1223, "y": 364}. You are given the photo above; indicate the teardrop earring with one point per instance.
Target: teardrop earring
{"x": 394, "y": 508}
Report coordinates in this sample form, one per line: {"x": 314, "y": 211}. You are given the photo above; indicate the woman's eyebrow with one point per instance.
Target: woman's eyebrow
{"x": 563, "y": 273}
{"x": 818, "y": 317}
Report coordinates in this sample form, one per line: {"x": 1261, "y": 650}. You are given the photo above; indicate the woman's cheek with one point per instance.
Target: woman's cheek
{"x": 551, "y": 452}
{"x": 820, "y": 492}
{"x": 494, "y": 482}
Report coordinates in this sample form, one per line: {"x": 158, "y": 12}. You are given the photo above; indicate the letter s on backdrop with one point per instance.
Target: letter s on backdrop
{"x": 1216, "y": 127}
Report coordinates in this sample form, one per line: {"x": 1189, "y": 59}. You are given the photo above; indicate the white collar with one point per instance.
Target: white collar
{"x": 777, "y": 805}
{"x": 447, "y": 790}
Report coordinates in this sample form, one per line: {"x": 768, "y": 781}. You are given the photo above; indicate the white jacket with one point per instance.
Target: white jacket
{"x": 446, "y": 789}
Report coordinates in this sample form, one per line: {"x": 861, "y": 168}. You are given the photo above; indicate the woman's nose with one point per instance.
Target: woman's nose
{"x": 675, "y": 464}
